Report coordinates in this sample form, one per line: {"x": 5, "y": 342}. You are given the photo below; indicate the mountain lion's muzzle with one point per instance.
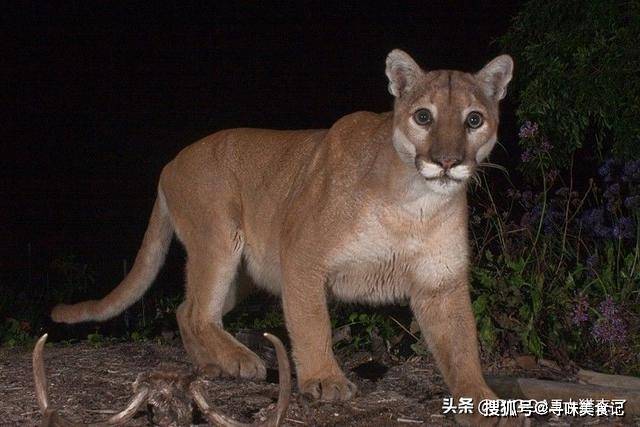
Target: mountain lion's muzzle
{"x": 443, "y": 168}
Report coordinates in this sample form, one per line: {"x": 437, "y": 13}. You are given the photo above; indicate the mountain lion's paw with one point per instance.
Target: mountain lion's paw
{"x": 334, "y": 387}
{"x": 243, "y": 363}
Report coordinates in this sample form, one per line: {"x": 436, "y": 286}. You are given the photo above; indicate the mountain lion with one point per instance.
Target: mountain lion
{"x": 372, "y": 210}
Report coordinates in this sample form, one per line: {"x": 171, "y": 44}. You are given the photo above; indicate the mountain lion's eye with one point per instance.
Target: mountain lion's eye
{"x": 474, "y": 120}
{"x": 422, "y": 117}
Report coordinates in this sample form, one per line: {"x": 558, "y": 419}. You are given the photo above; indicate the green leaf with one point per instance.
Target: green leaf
{"x": 487, "y": 333}
{"x": 480, "y": 305}
{"x": 534, "y": 345}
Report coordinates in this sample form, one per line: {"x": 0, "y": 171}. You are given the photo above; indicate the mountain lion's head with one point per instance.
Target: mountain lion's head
{"x": 445, "y": 122}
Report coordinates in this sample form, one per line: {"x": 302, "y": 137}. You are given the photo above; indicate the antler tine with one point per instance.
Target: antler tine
{"x": 284, "y": 382}
{"x": 39, "y": 376}
{"x": 276, "y": 418}
{"x": 214, "y": 418}
{"x": 51, "y": 418}
{"x": 127, "y": 413}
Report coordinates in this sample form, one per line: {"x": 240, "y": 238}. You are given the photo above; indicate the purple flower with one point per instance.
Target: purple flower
{"x": 632, "y": 202}
{"x": 611, "y": 327}
{"x": 546, "y": 146}
{"x": 612, "y": 191}
{"x": 528, "y": 130}
{"x": 592, "y": 221}
{"x": 605, "y": 168}
{"x": 526, "y": 156}
{"x": 602, "y": 231}
{"x": 631, "y": 170}
{"x": 592, "y": 217}
{"x": 608, "y": 307}
{"x": 624, "y": 229}
{"x": 609, "y": 331}
{"x": 580, "y": 311}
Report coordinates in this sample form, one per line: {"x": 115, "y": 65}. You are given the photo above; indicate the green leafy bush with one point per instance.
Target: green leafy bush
{"x": 15, "y": 333}
{"x": 557, "y": 261}
{"x": 577, "y": 65}
{"x": 366, "y": 326}
{"x": 557, "y": 270}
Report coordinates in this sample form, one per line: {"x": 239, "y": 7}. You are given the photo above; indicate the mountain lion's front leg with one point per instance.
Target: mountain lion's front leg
{"x": 307, "y": 316}
{"x": 443, "y": 310}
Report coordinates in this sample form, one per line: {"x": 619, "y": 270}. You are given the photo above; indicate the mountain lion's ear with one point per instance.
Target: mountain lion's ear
{"x": 496, "y": 75}
{"x": 402, "y": 72}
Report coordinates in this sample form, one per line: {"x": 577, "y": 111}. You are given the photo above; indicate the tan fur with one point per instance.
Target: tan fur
{"x": 357, "y": 212}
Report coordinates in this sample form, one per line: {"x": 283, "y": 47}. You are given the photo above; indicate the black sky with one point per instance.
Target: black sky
{"x": 100, "y": 95}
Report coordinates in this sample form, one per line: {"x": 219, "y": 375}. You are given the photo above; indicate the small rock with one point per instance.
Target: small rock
{"x": 549, "y": 364}
{"x": 526, "y": 361}
{"x": 342, "y": 333}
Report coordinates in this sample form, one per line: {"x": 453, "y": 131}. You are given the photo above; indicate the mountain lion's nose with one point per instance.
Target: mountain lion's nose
{"x": 447, "y": 162}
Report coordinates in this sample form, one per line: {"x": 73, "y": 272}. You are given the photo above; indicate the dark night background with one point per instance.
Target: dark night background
{"x": 99, "y": 96}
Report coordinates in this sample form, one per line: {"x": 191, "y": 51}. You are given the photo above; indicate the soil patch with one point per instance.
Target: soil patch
{"x": 90, "y": 383}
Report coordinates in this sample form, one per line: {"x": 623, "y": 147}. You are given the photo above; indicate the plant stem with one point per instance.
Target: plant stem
{"x": 542, "y": 214}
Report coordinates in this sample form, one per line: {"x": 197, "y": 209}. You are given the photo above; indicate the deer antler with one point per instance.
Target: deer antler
{"x": 51, "y": 417}
{"x": 276, "y": 418}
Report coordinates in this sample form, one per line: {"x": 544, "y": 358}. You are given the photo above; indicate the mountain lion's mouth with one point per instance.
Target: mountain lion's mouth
{"x": 434, "y": 173}
{"x": 442, "y": 179}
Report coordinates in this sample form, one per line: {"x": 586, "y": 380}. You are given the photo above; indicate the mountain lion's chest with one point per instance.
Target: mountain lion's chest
{"x": 389, "y": 249}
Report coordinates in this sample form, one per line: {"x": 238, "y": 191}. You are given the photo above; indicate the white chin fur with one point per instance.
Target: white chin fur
{"x": 444, "y": 186}
{"x": 432, "y": 171}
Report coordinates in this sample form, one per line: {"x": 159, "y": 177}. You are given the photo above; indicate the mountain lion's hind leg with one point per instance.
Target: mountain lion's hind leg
{"x": 211, "y": 268}
{"x": 196, "y": 352}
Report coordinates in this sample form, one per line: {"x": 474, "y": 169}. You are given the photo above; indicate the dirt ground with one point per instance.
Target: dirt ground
{"x": 90, "y": 383}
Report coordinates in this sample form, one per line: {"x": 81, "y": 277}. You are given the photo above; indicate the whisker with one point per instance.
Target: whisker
{"x": 501, "y": 145}
{"x": 476, "y": 178}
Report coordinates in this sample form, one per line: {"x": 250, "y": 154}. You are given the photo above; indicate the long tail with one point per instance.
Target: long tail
{"x": 150, "y": 258}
